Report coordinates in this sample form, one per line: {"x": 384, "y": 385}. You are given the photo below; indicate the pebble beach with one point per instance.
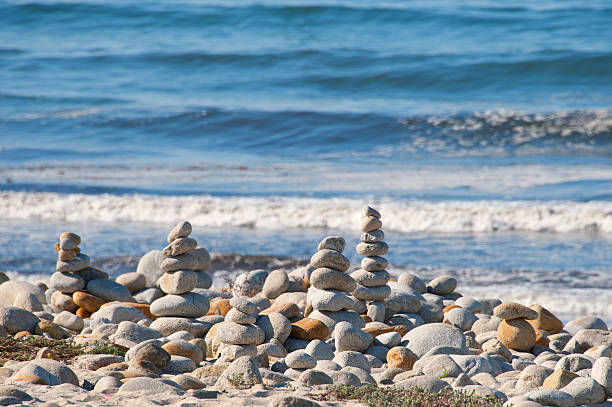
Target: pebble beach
{"x": 164, "y": 335}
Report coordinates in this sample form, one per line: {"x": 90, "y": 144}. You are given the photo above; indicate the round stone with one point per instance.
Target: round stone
{"x": 331, "y": 259}
{"x": 336, "y": 243}
{"x": 72, "y": 236}
{"x": 349, "y": 337}
{"x": 516, "y": 334}
{"x": 421, "y": 339}
{"x": 412, "y": 281}
{"x": 249, "y": 284}
{"x": 461, "y": 318}
{"x": 379, "y": 293}
{"x": 370, "y": 223}
{"x": 276, "y": 283}
{"x": 513, "y": 310}
{"x": 330, "y": 279}
{"x": 401, "y": 357}
{"x": 67, "y": 244}
{"x": 178, "y": 282}
{"x": 66, "y": 282}
{"x": 374, "y": 263}
{"x": 370, "y": 278}
{"x": 373, "y": 236}
{"x": 184, "y": 305}
{"x": 182, "y": 229}
{"x": 442, "y": 285}
{"x": 243, "y": 304}
{"x": 372, "y": 249}
{"x": 300, "y": 359}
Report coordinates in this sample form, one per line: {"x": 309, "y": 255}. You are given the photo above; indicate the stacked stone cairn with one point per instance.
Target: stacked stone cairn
{"x": 238, "y": 335}
{"x": 329, "y": 295}
{"x": 182, "y": 262}
{"x": 372, "y": 278}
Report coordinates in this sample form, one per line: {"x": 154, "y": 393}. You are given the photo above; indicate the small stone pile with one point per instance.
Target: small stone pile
{"x": 182, "y": 263}
{"x": 372, "y": 278}
{"x": 514, "y": 331}
{"x": 238, "y": 335}
{"x": 331, "y": 285}
{"x": 70, "y": 261}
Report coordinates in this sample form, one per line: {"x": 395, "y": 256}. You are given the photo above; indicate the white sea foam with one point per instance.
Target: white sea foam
{"x": 334, "y": 213}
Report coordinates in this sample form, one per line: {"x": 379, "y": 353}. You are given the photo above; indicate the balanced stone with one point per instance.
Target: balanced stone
{"x": 183, "y": 229}
{"x": 242, "y": 304}
{"x": 237, "y": 334}
{"x": 336, "y": 243}
{"x": 374, "y": 263}
{"x": 370, "y": 278}
{"x": 80, "y": 262}
{"x": 330, "y": 259}
{"x": 370, "y": 224}
{"x": 330, "y": 279}
{"x": 373, "y": 236}
{"x": 329, "y": 300}
{"x": 180, "y": 246}
{"x": 372, "y": 249}
{"x": 178, "y": 282}
{"x": 109, "y": 290}
{"x": 183, "y": 305}
{"x": 239, "y": 317}
{"x": 369, "y": 211}
{"x": 196, "y": 259}
{"x": 67, "y": 244}
{"x": 372, "y": 293}
{"x": 66, "y": 282}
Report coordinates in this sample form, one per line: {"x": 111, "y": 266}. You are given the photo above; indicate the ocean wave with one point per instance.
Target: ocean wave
{"x": 332, "y": 213}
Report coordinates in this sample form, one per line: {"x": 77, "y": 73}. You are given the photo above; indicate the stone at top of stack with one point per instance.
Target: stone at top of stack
{"x": 514, "y": 331}
{"x": 372, "y": 278}
{"x": 329, "y": 294}
{"x": 181, "y": 263}
{"x": 238, "y": 334}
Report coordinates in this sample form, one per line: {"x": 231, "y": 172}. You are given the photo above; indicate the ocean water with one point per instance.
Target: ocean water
{"x": 482, "y": 130}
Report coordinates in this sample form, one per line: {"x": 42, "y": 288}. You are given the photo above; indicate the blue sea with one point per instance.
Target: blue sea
{"x": 481, "y": 129}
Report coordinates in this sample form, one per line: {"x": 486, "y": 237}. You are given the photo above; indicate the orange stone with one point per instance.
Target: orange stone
{"x": 289, "y": 310}
{"x": 401, "y": 357}
{"x": 219, "y": 306}
{"x": 72, "y": 236}
{"x": 306, "y": 282}
{"x": 83, "y": 313}
{"x": 401, "y": 329}
{"x": 144, "y": 308}
{"x": 366, "y": 318}
{"x": 309, "y": 329}
{"x": 545, "y": 321}
{"x": 67, "y": 255}
{"x": 87, "y": 301}
{"x": 542, "y": 338}
{"x": 22, "y": 334}
{"x": 308, "y": 309}
{"x": 516, "y": 334}
{"x": 449, "y": 307}
{"x": 57, "y": 247}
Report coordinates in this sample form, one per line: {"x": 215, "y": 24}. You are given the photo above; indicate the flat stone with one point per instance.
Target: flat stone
{"x": 442, "y": 285}
{"x": 372, "y": 249}
{"x": 183, "y": 305}
{"x": 373, "y": 236}
{"x": 235, "y": 334}
{"x": 336, "y": 243}
{"x": 330, "y": 259}
{"x": 370, "y": 223}
{"x": 66, "y": 282}
{"x": 370, "y": 278}
{"x": 309, "y": 329}
{"x": 109, "y": 290}
{"x": 374, "y": 263}
{"x": 425, "y": 337}
{"x": 328, "y": 300}
{"x": 379, "y": 293}
{"x": 178, "y": 282}
{"x": 513, "y": 310}
{"x": 276, "y": 284}
{"x": 197, "y": 259}
{"x": 133, "y": 281}
{"x": 182, "y": 229}
{"x": 180, "y": 246}
{"x": 330, "y": 279}
{"x": 80, "y": 262}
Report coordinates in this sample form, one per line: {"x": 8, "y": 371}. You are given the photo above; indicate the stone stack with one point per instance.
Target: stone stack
{"x": 514, "y": 331}
{"x": 182, "y": 263}
{"x": 238, "y": 335}
{"x": 372, "y": 278}
{"x": 329, "y": 294}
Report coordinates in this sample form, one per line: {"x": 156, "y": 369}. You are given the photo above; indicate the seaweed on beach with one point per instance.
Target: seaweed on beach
{"x": 26, "y": 348}
{"x": 375, "y": 396}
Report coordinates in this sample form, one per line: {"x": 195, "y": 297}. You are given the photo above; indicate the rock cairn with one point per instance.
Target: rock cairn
{"x": 372, "y": 277}
{"x": 514, "y": 331}
{"x": 70, "y": 261}
{"x": 329, "y": 294}
{"x": 182, "y": 263}
{"x": 238, "y": 335}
